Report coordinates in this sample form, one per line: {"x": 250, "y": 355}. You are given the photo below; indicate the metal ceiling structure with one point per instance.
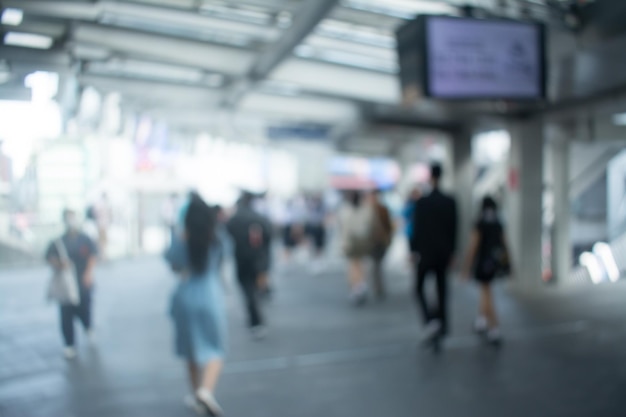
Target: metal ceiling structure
{"x": 306, "y": 60}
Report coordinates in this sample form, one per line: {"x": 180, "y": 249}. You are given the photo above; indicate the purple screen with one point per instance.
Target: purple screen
{"x": 483, "y": 59}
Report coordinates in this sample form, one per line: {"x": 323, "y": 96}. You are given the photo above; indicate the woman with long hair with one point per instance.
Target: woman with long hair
{"x": 488, "y": 255}
{"x": 197, "y": 305}
{"x": 356, "y": 220}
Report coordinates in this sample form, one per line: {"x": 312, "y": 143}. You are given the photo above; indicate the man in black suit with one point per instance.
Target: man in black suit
{"x": 433, "y": 244}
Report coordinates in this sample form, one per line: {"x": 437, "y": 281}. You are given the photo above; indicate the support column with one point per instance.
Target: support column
{"x": 561, "y": 244}
{"x": 464, "y": 177}
{"x": 525, "y": 202}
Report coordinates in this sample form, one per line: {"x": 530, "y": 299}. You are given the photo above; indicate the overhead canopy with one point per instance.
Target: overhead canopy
{"x": 317, "y": 61}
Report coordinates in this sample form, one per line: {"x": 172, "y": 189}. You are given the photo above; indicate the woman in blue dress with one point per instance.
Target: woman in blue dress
{"x": 197, "y": 305}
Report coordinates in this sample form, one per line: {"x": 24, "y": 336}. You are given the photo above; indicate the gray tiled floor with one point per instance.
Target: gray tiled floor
{"x": 564, "y": 354}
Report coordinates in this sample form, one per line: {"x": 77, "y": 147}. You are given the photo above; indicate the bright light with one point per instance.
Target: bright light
{"x": 590, "y": 261}
{"x": 604, "y": 252}
{"x": 28, "y": 40}
{"x": 44, "y": 85}
{"x": 491, "y": 147}
{"x": 12, "y": 17}
{"x": 619, "y": 119}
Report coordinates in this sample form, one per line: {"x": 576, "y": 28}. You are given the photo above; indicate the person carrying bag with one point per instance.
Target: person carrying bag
{"x": 72, "y": 258}
{"x": 63, "y": 287}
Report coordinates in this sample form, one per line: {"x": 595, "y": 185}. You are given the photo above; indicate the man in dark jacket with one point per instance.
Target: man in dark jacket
{"x": 251, "y": 235}
{"x": 433, "y": 244}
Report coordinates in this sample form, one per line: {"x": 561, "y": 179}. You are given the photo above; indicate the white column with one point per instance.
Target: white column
{"x": 464, "y": 176}
{"x": 561, "y": 244}
{"x": 525, "y": 202}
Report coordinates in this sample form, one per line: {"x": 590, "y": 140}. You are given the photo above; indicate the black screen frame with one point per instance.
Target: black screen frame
{"x": 422, "y": 24}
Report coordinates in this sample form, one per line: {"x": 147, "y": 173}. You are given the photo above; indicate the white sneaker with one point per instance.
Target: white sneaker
{"x": 359, "y": 294}
{"x": 69, "y": 352}
{"x": 208, "y": 401}
{"x": 192, "y": 403}
{"x": 431, "y": 330}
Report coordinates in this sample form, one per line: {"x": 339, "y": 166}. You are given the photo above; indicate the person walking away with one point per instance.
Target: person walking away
{"x": 251, "y": 235}
{"x": 382, "y": 236}
{"x": 75, "y": 251}
{"x": 264, "y": 261}
{"x": 288, "y": 231}
{"x": 433, "y": 244}
{"x": 197, "y": 304}
{"x": 488, "y": 255}
{"x": 355, "y": 220}
{"x": 316, "y": 229}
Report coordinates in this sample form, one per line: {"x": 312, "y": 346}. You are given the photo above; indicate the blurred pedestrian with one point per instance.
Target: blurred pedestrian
{"x": 264, "y": 263}
{"x": 488, "y": 256}
{"x": 433, "y": 244}
{"x": 251, "y": 235}
{"x": 197, "y": 304}
{"x": 75, "y": 254}
{"x": 356, "y": 219}
{"x": 382, "y": 236}
{"x": 316, "y": 228}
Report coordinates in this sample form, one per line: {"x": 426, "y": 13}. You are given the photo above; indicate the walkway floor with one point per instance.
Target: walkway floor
{"x": 564, "y": 354}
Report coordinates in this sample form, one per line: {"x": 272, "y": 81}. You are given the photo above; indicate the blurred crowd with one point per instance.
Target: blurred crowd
{"x": 202, "y": 237}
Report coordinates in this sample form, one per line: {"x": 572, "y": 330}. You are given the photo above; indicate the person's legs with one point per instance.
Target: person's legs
{"x": 263, "y": 280}
{"x": 377, "y": 272}
{"x": 442, "y": 297}
{"x": 320, "y": 240}
{"x": 248, "y": 282}
{"x": 67, "y": 324}
{"x": 358, "y": 287}
{"x": 355, "y": 273}
{"x": 204, "y": 394}
{"x": 84, "y": 310}
{"x": 487, "y": 308}
{"x": 211, "y": 374}
{"x": 420, "y": 297}
{"x": 194, "y": 375}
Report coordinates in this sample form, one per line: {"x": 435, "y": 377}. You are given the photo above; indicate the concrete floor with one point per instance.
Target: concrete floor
{"x": 563, "y": 355}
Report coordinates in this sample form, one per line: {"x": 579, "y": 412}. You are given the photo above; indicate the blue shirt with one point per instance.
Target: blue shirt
{"x": 407, "y": 214}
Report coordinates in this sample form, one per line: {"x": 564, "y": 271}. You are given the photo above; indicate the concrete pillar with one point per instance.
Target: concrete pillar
{"x": 525, "y": 202}
{"x": 464, "y": 176}
{"x": 561, "y": 244}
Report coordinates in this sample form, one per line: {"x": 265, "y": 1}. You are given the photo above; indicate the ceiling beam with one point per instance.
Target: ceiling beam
{"x": 306, "y": 19}
{"x": 164, "y": 48}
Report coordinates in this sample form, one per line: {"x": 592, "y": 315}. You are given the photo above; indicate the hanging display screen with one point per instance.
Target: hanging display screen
{"x": 475, "y": 58}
